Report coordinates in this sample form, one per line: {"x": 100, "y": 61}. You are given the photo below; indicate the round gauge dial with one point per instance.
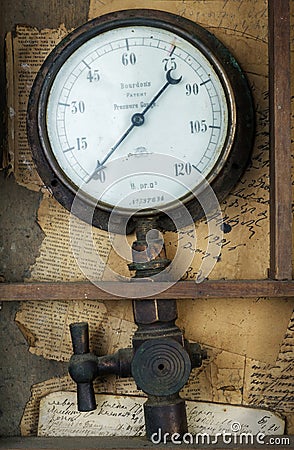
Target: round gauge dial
{"x": 134, "y": 110}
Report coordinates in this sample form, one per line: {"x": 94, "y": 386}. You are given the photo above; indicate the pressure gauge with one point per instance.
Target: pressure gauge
{"x": 138, "y": 110}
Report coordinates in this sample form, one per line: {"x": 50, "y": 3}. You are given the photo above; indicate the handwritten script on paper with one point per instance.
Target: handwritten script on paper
{"x": 123, "y": 416}
{"x": 272, "y": 385}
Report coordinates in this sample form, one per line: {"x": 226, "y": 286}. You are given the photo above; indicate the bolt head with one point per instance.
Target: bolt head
{"x": 151, "y": 311}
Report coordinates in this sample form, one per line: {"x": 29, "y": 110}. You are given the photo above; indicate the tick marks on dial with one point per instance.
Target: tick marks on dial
{"x": 173, "y": 49}
{"x": 87, "y": 65}
{"x": 214, "y": 126}
{"x": 204, "y": 82}
{"x": 68, "y": 150}
{"x": 195, "y": 167}
{"x": 127, "y": 45}
{"x": 63, "y": 104}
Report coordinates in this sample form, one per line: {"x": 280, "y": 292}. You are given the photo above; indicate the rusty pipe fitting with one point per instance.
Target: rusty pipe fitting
{"x": 84, "y": 366}
{"x": 148, "y": 251}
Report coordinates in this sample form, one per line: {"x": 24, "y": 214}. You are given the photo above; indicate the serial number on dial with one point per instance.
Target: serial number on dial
{"x": 147, "y": 200}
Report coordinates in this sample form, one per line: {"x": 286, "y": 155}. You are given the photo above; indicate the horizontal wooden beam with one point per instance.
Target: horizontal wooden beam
{"x": 80, "y": 442}
{"x": 159, "y": 290}
{"x": 96, "y": 442}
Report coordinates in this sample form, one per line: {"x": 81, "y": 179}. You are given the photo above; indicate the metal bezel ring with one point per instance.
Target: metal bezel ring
{"x": 237, "y": 149}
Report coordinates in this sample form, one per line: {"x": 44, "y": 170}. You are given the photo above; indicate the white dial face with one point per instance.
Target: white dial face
{"x": 137, "y": 117}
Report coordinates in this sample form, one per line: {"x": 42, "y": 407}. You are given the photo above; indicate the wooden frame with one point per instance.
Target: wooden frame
{"x": 180, "y": 290}
{"x": 280, "y": 283}
{"x": 280, "y": 140}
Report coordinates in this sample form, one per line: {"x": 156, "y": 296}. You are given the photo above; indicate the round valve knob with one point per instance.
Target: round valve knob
{"x": 161, "y": 367}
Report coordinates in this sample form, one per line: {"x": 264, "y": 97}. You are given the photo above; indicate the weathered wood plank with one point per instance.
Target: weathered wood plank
{"x": 63, "y": 443}
{"x": 280, "y": 141}
{"x": 163, "y": 290}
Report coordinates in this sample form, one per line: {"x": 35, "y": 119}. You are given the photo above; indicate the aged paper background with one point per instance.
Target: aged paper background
{"x": 123, "y": 416}
{"x": 248, "y": 340}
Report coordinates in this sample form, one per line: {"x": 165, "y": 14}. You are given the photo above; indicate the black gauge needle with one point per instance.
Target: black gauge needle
{"x": 137, "y": 120}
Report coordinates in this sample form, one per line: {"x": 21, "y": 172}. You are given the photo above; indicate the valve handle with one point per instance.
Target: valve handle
{"x": 80, "y": 341}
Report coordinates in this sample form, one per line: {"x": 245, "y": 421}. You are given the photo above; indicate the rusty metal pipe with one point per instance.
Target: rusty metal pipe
{"x": 118, "y": 364}
{"x": 165, "y": 417}
{"x": 161, "y": 358}
{"x": 85, "y": 391}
